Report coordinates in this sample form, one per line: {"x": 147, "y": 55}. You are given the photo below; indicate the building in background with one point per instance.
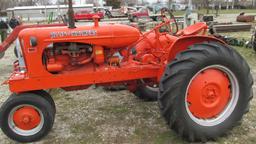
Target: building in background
{"x": 40, "y": 13}
{"x": 79, "y": 2}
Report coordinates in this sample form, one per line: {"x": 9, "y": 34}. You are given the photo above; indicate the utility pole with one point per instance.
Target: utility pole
{"x": 190, "y": 5}
{"x": 45, "y": 10}
{"x": 101, "y": 3}
{"x": 188, "y": 12}
{"x": 169, "y": 4}
{"x": 58, "y": 4}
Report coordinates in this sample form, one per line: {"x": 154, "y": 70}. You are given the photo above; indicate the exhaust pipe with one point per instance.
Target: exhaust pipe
{"x": 71, "y": 21}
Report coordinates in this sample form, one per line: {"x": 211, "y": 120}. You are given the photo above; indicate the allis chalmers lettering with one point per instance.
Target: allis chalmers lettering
{"x": 74, "y": 33}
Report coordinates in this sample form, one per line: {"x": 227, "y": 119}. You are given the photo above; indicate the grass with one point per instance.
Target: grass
{"x": 116, "y": 109}
{"x": 166, "y": 138}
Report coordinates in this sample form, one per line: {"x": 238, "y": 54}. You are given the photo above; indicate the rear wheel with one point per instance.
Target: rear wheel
{"x": 205, "y": 91}
{"x": 26, "y": 117}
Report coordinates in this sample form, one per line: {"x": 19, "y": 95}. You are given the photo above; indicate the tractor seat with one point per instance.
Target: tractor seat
{"x": 193, "y": 29}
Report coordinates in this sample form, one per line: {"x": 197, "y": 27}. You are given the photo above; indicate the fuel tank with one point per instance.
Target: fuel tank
{"x": 108, "y": 36}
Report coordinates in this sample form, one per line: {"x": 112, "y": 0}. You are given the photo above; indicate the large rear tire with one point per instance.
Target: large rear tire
{"x": 26, "y": 117}
{"x": 205, "y": 91}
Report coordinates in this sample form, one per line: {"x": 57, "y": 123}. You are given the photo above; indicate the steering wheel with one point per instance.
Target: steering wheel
{"x": 167, "y": 15}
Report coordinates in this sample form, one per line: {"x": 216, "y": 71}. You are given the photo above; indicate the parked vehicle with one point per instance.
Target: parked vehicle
{"x": 120, "y": 13}
{"x": 126, "y": 10}
{"x": 144, "y": 13}
{"x": 88, "y": 14}
{"x": 176, "y": 6}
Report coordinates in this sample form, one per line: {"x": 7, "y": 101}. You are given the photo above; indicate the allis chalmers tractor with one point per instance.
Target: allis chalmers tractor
{"x": 203, "y": 86}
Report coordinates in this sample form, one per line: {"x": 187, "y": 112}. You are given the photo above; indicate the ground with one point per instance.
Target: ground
{"x": 99, "y": 116}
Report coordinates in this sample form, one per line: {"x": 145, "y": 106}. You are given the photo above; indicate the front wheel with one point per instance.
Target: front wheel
{"x": 46, "y": 96}
{"x": 26, "y": 117}
{"x": 205, "y": 91}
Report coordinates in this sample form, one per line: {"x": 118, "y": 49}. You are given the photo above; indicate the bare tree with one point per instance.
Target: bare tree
{"x": 254, "y": 3}
{"x": 207, "y": 5}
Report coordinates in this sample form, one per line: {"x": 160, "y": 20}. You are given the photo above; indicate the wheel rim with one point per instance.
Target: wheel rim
{"x": 212, "y": 95}
{"x": 25, "y": 120}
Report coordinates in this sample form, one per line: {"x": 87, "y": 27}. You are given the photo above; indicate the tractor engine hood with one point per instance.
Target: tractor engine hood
{"x": 109, "y": 36}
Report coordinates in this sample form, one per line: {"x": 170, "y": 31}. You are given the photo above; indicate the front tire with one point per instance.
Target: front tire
{"x": 26, "y": 117}
{"x": 46, "y": 96}
{"x": 205, "y": 91}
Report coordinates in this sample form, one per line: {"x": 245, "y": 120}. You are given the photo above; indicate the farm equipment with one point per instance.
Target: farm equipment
{"x": 88, "y": 14}
{"x": 235, "y": 41}
{"x": 203, "y": 85}
{"x": 245, "y": 18}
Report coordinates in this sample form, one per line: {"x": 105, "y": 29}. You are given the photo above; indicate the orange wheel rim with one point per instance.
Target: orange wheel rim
{"x": 209, "y": 93}
{"x": 26, "y": 118}
{"x": 212, "y": 95}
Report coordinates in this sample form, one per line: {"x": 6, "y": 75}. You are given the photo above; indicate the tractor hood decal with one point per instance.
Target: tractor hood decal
{"x": 73, "y": 33}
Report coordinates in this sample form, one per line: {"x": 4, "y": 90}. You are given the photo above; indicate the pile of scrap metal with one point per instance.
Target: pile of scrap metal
{"x": 235, "y": 41}
{"x": 245, "y": 18}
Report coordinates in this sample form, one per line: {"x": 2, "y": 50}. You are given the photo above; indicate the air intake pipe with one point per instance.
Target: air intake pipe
{"x": 71, "y": 21}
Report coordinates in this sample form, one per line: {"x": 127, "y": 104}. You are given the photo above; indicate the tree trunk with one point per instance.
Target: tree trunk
{"x": 207, "y": 6}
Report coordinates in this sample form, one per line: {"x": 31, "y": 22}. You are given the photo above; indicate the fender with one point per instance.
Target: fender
{"x": 184, "y": 42}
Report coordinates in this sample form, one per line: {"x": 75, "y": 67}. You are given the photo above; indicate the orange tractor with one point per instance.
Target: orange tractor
{"x": 203, "y": 86}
